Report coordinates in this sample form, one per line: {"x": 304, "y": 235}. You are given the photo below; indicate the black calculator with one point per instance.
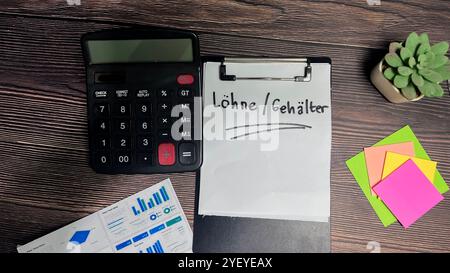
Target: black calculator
{"x": 144, "y": 100}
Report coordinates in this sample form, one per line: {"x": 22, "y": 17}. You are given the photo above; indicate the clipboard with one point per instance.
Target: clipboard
{"x": 229, "y": 230}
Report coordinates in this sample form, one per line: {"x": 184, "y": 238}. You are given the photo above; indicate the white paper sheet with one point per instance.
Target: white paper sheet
{"x": 126, "y": 226}
{"x": 245, "y": 177}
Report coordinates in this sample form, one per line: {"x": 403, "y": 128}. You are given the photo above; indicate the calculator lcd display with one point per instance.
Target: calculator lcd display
{"x": 139, "y": 51}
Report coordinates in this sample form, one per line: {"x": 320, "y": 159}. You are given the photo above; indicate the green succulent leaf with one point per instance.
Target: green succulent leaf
{"x": 389, "y": 73}
{"x": 393, "y": 60}
{"x": 409, "y": 92}
{"x": 417, "y": 79}
{"x": 430, "y": 57}
{"x": 412, "y": 62}
{"x": 444, "y": 71}
{"x": 404, "y": 71}
{"x": 431, "y": 75}
{"x": 424, "y": 39}
{"x": 427, "y": 89}
{"x": 439, "y": 61}
{"x": 412, "y": 41}
{"x": 405, "y": 53}
{"x": 438, "y": 91}
{"x": 401, "y": 81}
{"x": 422, "y": 58}
{"x": 440, "y": 48}
{"x": 430, "y": 89}
{"x": 423, "y": 48}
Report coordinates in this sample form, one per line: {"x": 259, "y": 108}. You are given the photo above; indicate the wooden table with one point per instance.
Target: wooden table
{"x": 45, "y": 181}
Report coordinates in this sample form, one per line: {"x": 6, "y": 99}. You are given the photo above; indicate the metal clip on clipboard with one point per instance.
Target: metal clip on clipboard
{"x": 305, "y": 78}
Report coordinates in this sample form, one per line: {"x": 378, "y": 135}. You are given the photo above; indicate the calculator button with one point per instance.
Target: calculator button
{"x": 164, "y": 121}
{"x": 185, "y": 120}
{"x": 144, "y": 158}
{"x": 143, "y": 143}
{"x": 102, "y": 125}
{"x": 166, "y": 154}
{"x": 143, "y": 93}
{"x": 122, "y": 109}
{"x": 186, "y": 153}
{"x": 122, "y": 126}
{"x": 143, "y": 125}
{"x": 164, "y": 107}
{"x": 185, "y": 106}
{"x": 122, "y": 94}
{"x": 144, "y": 109}
{"x": 186, "y": 133}
{"x": 102, "y": 109}
{"x": 123, "y": 159}
{"x": 101, "y": 94}
{"x": 164, "y": 134}
{"x": 122, "y": 142}
{"x": 184, "y": 109}
{"x": 185, "y": 93}
{"x": 185, "y": 127}
{"x": 185, "y": 79}
{"x": 164, "y": 93}
{"x": 103, "y": 159}
{"x": 103, "y": 143}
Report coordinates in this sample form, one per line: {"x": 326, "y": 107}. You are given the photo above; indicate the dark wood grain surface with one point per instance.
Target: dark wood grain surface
{"x": 45, "y": 182}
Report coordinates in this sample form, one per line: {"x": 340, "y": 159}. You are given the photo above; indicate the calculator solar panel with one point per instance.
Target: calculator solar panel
{"x": 143, "y": 92}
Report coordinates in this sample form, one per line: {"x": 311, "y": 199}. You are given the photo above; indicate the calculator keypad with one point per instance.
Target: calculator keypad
{"x": 131, "y": 128}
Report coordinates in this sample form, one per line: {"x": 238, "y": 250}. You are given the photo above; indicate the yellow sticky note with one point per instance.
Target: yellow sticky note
{"x": 394, "y": 160}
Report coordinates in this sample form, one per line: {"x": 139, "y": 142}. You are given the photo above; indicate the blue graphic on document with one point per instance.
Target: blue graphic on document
{"x": 156, "y": 199}
{"x": 79, "y": 237}
{"x": 155, "y": 248}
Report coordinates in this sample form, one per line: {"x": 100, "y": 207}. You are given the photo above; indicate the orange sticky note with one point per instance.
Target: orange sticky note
{"x": 375, "y": 159}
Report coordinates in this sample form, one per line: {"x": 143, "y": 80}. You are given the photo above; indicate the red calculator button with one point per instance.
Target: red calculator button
{"x": 166, "y": 154}
{"x": 185, "y": 79}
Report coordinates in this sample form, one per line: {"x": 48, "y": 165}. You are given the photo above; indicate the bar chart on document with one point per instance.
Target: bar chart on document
{"x": 156, "y": 199}
{"x": 150, "y": 221}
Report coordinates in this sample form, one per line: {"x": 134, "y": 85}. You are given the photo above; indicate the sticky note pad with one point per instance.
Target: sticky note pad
{"x": 394, "y": 160}
{"x": 357, "y": 166}
{"x": 408, "y": 193}
{"x": 375, "y": 159}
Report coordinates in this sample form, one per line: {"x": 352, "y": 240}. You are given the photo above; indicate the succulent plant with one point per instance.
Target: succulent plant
{"x": 415, "y": 67}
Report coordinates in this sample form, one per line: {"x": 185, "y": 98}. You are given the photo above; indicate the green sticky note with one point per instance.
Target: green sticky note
{"x": 357, "y": 166}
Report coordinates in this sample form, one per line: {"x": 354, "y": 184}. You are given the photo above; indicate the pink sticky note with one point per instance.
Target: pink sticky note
{"x": 408, "y": 193}
{"x": 375, "y": 159}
